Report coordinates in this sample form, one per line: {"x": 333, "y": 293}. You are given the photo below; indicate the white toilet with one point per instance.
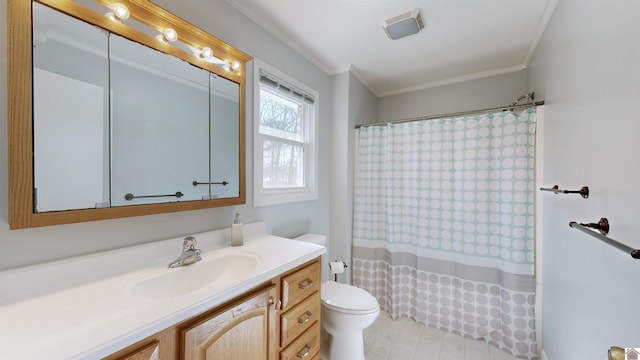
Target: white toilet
{"x": 346, "y": 312}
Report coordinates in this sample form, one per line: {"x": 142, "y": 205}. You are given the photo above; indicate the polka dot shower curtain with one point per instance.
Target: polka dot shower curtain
{"x": 443, "y": 227}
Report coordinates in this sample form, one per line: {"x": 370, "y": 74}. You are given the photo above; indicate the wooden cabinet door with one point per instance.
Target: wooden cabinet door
{"x": 160, "y": 346}
{"x": 244, "y": 329}
{"x": 148, "y": 352}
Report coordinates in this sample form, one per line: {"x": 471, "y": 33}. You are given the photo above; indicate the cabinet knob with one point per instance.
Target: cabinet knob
{"x": 305, "y": 352}
{"x": 306, "y": 318}
{"x": 277, "y": 305}
{"x": 305, "y": 284}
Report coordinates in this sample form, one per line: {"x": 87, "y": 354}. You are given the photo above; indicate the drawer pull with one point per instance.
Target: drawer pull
{"x": 307, "y": 350}
{"x": 306, "y": 284}
{"x": 304, "y": 320}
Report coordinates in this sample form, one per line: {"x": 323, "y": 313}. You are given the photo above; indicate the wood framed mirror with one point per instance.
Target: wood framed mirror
{"x": 129, "y": 174}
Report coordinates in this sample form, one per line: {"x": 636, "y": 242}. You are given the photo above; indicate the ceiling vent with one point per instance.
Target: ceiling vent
{"x": 403, "y": 25}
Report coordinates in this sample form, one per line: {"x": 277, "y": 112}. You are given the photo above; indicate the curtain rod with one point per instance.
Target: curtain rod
{"x": 462, "y": 113}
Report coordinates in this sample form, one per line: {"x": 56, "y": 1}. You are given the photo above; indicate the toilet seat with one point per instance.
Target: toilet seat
{"x": 347, "y": 299}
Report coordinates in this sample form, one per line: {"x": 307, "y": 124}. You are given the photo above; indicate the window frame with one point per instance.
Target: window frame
{"x": 271, "y": 196}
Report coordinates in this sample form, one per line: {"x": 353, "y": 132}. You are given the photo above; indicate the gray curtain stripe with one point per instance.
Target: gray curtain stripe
{"x": 515, "y": 282}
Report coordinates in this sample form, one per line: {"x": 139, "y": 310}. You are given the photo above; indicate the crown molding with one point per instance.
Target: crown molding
{"x": 352, "y": 69}
{"x": 455, "y": 80}
{"x": 542, "y": 26}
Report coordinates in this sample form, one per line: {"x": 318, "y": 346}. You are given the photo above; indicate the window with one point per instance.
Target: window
{"x": 285, "y": 143}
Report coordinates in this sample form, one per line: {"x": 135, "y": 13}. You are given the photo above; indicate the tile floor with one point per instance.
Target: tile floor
{"x": 404, "y": 339}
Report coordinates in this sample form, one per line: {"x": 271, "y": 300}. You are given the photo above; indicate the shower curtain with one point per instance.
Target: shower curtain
{"x": 443, "y": 228}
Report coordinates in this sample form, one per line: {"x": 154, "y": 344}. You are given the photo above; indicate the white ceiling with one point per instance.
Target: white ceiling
{"x": 461, "y": 40}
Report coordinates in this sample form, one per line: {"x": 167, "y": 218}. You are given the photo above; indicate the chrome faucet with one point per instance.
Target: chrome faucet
{"x": 189, "y": 253}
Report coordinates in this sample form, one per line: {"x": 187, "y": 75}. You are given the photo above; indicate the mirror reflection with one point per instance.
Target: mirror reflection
{"x": 224, "y": 133}
{"x": 117, "y": 123}
{"x": 71, "y": 109}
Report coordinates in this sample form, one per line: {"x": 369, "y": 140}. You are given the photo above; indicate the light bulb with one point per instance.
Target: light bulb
{"x": 170, "y": 34}
{"x": 227, "y": 67}
{"x": 112, "y": 16}
{"x": 235, "y": 65}
{"x": 121, "y": 11}
{"x": 206, "y": 52}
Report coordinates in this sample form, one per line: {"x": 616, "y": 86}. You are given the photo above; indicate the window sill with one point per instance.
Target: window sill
{"x": 276, "y": 197}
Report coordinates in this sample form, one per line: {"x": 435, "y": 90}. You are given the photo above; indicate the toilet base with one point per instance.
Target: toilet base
{"x": 325, "y": 342}
{"x": 345, "y": 346}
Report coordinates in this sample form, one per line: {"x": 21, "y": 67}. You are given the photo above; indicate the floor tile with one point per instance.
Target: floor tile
{"x": 475, "y": 345}
{"x": 404, "y": 339}
{"x": 472, "y": 354}
{"x": 373, "y": 356}
{"x": 382, "y": 344}
{"x": 427, "y": 351}
{"x": 403, "y": 349}
{"x": 497, "y": 354}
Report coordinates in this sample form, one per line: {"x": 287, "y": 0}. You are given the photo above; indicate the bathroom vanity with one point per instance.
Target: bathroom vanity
{"x": 258, "y": 301}
{"x": 247, "y": 327}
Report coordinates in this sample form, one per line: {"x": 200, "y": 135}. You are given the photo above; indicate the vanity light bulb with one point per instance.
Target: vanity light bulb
{"x": 206, "y": 52}
{"x": 112, "y": 16}
{"x": 227, "y": 67}
{"x": 170, "y": 34}
{"x": 235, "y": 66}
{"x": 121, "y": 11}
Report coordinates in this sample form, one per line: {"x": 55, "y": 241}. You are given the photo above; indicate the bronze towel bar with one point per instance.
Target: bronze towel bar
{"x": 584, "y": 192}
{"x": 603, "y": 227}
{"x": 223, "y": 183}
{"x": 130, "y": 196}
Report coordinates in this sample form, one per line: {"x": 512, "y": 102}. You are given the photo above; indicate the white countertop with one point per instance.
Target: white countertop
{"x": 84, "y": 308}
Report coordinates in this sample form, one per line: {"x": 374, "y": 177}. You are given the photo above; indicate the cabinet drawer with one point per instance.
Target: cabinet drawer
{"x": 305, "y": 347}
{"x": 300, "y": 284}
{"x": 296, "y": 320}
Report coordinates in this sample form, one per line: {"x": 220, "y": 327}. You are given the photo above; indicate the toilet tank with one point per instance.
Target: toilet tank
{"x": 314, "y": 239}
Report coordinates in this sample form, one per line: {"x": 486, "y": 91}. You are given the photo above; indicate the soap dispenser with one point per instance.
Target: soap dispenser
{"x": 236, "y": 232}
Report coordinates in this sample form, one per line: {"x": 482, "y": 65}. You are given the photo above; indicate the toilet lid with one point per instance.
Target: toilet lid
{"x": 347, "y": 298}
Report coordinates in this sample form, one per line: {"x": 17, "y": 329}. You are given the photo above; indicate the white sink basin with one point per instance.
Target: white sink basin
{"x": 219, "y": 269}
